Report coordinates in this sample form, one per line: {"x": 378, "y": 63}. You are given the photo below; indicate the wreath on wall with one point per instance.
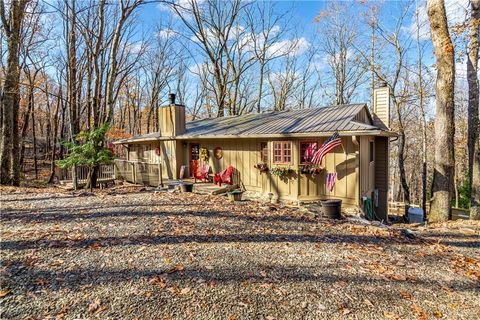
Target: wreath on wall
{"x": 204, "y": 154}
{"x": 218, "y": 153}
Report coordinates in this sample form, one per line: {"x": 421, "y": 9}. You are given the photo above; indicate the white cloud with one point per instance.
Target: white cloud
{"x": 134, "y": 48}
{"x": 166, "y": 33}
{"x": 293, "y": 47}
{"x": 182, "y": 5}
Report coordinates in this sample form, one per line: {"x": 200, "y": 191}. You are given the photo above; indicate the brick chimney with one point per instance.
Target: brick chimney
{"x": 381, "y": 106}
{"x": 172, "y": 118}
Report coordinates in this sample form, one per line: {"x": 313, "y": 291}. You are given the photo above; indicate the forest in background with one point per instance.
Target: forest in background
{"x": 82, "y": 64}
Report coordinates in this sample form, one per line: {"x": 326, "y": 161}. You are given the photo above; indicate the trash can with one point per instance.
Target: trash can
{"x": 332, "y": 208}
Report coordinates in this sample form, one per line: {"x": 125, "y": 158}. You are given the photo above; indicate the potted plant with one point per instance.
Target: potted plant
{"x": 235, "y": 195}
{"x": 312, "y": 169}
{"x": 262, "y": 167}
{"x": 281, "y": 172}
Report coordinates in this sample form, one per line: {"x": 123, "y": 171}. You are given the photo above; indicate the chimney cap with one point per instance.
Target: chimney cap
{"x": 382, "y": 84}
{"x": 171, "y": 98}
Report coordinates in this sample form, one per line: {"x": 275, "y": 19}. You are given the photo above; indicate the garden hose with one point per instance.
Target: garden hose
{"x": 368, "y": 208}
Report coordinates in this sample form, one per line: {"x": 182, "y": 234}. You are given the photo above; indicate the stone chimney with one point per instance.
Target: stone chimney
{"x": 172, "y": 118}
{"x": 381, "y": 106}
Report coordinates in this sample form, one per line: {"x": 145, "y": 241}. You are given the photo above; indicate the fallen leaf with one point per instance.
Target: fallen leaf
{"x": 40, "y": 281}
{"x": 159, "y": 281}
{"x": 421, "y": 314}
{"x": 178, "y": 267}
{"x": 185, "y": 290}
{"x": 368, "y": 302}
{"x": 438, "y": 314}
{"x": 346, "y": 311}
{"x": 92, "y": 307}
{"x": 5, "y": 292}
{"x": 389, "y": 315}
{"x": 405, "y": 294}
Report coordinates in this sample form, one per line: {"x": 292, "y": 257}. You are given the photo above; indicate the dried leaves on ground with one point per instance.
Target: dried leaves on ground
{"x": 131, "y": 254}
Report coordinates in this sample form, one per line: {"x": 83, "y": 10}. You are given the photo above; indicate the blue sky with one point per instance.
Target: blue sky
{"x": 303, "y": 15}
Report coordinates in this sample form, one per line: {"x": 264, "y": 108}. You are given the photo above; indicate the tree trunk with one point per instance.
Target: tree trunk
{"x": 26, "y": 121}
{"x": 10, "y": 98}
{"x": 34, "y": 142}
{"x": 442, "y": 188}
{"x": 54, "y": 138}
{"x": 473, "y": 117}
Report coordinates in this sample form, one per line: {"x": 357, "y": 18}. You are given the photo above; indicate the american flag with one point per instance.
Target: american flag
{"x": 331, "y": 179}
{"x": 331, "y": 143}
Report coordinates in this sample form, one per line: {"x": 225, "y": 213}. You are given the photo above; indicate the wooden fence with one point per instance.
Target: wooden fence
{"x": 398, "y": 208}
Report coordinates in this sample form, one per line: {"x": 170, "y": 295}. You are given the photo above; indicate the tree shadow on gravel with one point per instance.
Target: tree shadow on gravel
{"x": 178, "y": 239}
{"x": 26, "y": 280}
{"x": 69, "y": 214}
{"x": 37, "y": 198}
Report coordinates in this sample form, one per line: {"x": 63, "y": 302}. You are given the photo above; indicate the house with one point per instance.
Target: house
{"x": 278, "y": 139}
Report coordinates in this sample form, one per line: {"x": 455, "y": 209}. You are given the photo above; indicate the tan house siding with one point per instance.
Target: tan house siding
{"x": 367, "y": 167}
{"x": 343, "y": 162}
{"x": 355, "y": 174}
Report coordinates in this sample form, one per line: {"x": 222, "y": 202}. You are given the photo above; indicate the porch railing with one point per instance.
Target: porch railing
{"x": 139, "y": 172}
{"x": 105, "y": 172}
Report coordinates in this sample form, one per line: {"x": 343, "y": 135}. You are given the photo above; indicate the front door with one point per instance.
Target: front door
{"x": 194, "y": 158}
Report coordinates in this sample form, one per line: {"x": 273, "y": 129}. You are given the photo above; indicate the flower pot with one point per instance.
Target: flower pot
{"x": 235, "y": 195}
{"x": 332, "y": 208}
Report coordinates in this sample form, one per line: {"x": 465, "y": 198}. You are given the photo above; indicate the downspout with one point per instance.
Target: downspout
{"x": 357, "y": 168}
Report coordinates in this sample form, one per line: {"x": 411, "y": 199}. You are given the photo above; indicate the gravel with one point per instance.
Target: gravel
{"x": 131, "y": 254}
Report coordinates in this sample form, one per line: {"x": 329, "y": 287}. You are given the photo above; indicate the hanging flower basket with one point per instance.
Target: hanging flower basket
{"x": 281, "y": 172}
{"x": 262, "y": 167}
{"x": 312, "y": 169}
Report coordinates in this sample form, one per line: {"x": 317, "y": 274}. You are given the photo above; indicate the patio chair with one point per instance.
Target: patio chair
{"x": 202, "y": 173}
{"x": 224, "y": 177}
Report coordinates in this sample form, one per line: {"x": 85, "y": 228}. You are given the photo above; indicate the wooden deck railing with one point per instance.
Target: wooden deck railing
{"x": 106, "y": 172}
{"x": 138, "y": 172}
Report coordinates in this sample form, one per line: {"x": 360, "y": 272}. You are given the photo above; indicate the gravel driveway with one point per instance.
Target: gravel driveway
{"x": 129, "y": 254}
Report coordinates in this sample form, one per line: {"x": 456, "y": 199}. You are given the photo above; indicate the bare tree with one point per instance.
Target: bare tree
{"x": 10, "y": 98}
{"x": 339, "y": 42}
{"x": 266, "y": 31}
{"x": 127, "y": 7}
{"x": 211, "y": 25}
{"x": 442, "y": 186}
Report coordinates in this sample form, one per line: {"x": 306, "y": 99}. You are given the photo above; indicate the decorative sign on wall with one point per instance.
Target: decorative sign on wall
{"x": 204, "y": 154}
{"x": 218, "y": 153}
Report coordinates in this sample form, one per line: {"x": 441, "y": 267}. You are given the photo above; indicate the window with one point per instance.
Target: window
{"x": 306, "y": 151}
{"x": 194, "y": 151}
{"x": 372, "y": 151}
{"x": 282, "y": 152}
{"x": 264, "y": 152}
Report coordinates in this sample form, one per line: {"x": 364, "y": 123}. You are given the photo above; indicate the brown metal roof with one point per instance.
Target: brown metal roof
{"x": 325, "y": 120}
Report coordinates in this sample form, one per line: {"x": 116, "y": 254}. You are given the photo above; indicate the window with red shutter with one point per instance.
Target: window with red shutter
{"x": 303, "y": 148}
